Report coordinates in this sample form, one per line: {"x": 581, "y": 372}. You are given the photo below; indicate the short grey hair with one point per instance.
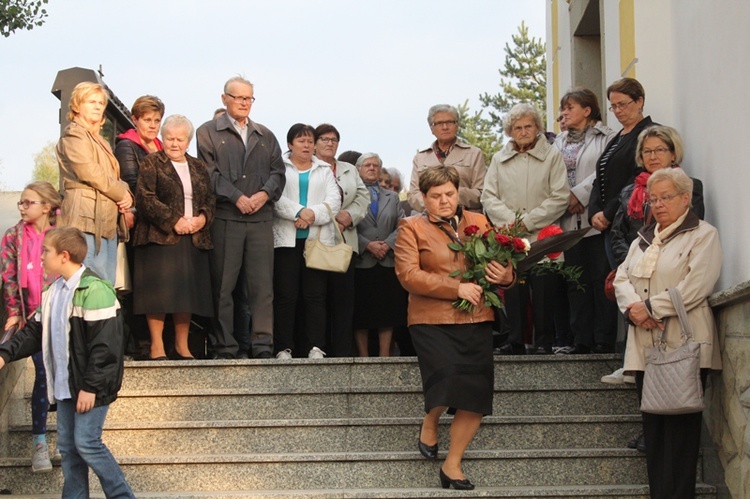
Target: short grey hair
{"x": 237, "y": 79}
{"x": 679, "y": 179}
{"x": 396, "y": 173}
{"x": 441, "y": 108}
{"x": 177, "y": 121}
{"x": 521, "y": 111}
{"x": 367, "y": 156}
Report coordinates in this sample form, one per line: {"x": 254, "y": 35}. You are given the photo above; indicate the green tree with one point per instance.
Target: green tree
{"x": 45, "y": 165}
{"x": 523, "y": 78}
{"x": 477, "y": 131}
{"x": 21, "y": 14}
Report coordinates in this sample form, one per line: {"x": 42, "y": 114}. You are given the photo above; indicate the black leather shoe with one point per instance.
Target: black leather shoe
{"x": 265, "y": 354}
{"x": 580, "y": 349}
{"x": 225, "y": 355}
{"x": 428, "y": 451}
{"x": 446, "y": 482}
{"x": 603, "y": 348}
{"x": 513, "y": 349}
{"x": 638, "y": 443}
{"x": 177, "y": 356}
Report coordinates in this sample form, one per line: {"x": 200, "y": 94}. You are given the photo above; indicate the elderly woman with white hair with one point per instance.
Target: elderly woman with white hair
{"x": 683, "y": 252}
{"x": 176, "y": 206}
{"x": 447, "y": 150}
{"x": 528, "y": 176}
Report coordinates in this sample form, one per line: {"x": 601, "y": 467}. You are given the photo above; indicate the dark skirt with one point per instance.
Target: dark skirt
{"x": 456, "y": 364}
{"x": 172, "y": 279}
{"x": 379, "y": 301}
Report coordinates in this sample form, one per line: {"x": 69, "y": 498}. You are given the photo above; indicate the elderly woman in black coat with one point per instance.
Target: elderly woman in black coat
{"x": 176, "y": 206}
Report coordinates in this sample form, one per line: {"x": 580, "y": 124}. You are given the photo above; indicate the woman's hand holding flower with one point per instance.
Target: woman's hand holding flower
{"x": 496, "y": 273}
{"x": 470, "y": 292}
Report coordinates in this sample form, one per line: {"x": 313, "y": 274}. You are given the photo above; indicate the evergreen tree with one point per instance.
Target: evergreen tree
{"x": 477, "y": 131}
{"x": 20, "y": 14}
{"x": 523, "y": 78}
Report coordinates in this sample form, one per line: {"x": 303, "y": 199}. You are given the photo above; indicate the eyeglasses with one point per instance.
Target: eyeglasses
{"x": 659, "y": 151}
{"x": 329, "y": 140}
{"x": 443, "y": 123}
{"x": 239, "y": 99}
{"x": 663, "y": 199}
{"x": 621, "y": 105}
{"x": 25, "y": 203}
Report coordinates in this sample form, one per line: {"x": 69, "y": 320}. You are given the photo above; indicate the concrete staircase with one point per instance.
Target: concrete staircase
{"x": 347, "y": 428}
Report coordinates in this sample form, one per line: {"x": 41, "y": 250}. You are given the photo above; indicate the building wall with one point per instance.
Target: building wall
{"x": 693, "y": 59}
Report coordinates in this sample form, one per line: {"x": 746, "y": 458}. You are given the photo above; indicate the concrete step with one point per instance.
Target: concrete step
{"x": 262, "y": 472}
{"x": 347, "y": 435}
{"x": 703, "y": 491}
{"x": 529, "y": 372}
{"x": 385, "y": 402}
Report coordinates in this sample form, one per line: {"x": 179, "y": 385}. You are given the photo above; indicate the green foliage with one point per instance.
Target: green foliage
{"x": 45, "y": 165}
{"x": 20, "y": 14}
{"x": 477, "y": 131}
{"x": 524, "y": 78}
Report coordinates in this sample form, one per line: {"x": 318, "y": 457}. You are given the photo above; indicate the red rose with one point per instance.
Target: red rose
{"x": 503, "y": 240}
{"x": 550, "y": 230}
{"x": 519, "y": 245}
{"x": 486, "y": 234}
{"x": 471, "y": 230}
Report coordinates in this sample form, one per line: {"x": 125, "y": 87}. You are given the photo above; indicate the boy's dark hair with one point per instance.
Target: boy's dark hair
{"x": 68, "y": 239}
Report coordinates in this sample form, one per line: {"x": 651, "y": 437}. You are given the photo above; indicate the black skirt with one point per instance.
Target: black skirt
{"x": 456, "y": 364}
{"x": 172, "y": 279}
{"x": 379, "y": 299}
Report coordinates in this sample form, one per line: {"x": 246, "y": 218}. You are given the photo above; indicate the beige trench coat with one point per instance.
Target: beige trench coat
{"x": 690, "y": 260}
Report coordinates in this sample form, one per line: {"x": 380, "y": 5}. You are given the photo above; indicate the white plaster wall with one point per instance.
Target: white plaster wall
{"x": 655, "y": 68}
{"x": 712, "y": 106}
{"x": 610, "y": 15}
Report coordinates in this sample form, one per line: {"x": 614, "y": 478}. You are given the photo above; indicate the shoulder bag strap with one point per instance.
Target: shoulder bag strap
{"x": 687, "y": 328}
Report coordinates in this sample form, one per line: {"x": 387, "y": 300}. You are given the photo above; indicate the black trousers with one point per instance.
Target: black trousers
{"x": 672, "y": 446}
{"x": 295, "y": 286}
{"x": 593, "y": 317}
{"x": 545, "y": 291}
{"x": 341, "y": 291}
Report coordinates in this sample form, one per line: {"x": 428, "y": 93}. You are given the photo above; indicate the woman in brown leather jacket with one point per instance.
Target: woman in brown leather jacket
{"x": 454, "y": 347}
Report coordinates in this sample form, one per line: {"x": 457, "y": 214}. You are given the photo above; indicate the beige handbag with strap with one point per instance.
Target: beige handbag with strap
{"x": 334, "y": 258}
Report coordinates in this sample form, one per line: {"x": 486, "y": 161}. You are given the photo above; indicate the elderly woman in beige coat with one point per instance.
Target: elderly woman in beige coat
{"x": 93, "y": 194}
{"x": 528, "y": 176}
{"x": 677, "y": 251}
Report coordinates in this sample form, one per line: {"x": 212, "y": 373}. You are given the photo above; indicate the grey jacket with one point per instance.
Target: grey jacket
{"x": 596, "y": 139}
{"x": 382, "y": 228}
{"x": 236, "y": 170}
{"x": 356, "y": 199}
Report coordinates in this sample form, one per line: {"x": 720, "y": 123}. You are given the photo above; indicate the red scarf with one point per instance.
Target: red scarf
{"x": 635, "y": 205}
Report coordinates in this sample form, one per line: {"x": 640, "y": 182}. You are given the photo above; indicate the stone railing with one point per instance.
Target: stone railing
{"x": 728, "y": 412}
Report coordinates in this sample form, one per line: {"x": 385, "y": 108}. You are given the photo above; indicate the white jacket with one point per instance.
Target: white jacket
{"x": 322, "y": 188}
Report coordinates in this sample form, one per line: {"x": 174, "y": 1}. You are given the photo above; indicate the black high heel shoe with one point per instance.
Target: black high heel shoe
{"x": 446, "y": 482}
{"x": 428, "y": 451}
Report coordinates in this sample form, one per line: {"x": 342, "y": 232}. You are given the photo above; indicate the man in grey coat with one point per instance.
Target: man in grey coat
{"x": 247, "y": 174}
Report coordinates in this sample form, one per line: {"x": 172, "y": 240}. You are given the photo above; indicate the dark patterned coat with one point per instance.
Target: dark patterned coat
{"x": 161, "y": 201}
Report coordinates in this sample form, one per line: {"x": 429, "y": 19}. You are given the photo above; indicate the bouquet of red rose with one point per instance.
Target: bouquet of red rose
{"x": 500, "y": 244}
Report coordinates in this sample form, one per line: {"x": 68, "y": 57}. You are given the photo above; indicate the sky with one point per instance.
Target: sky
{"x": 372, "y": 69}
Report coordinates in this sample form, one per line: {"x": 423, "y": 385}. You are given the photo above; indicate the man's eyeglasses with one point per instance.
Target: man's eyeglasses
{"x": 239, "y": 99}
{"x": 443, "y": 123}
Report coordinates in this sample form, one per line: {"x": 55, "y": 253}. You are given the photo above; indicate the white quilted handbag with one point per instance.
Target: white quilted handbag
{"x": 672, "y": 380}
